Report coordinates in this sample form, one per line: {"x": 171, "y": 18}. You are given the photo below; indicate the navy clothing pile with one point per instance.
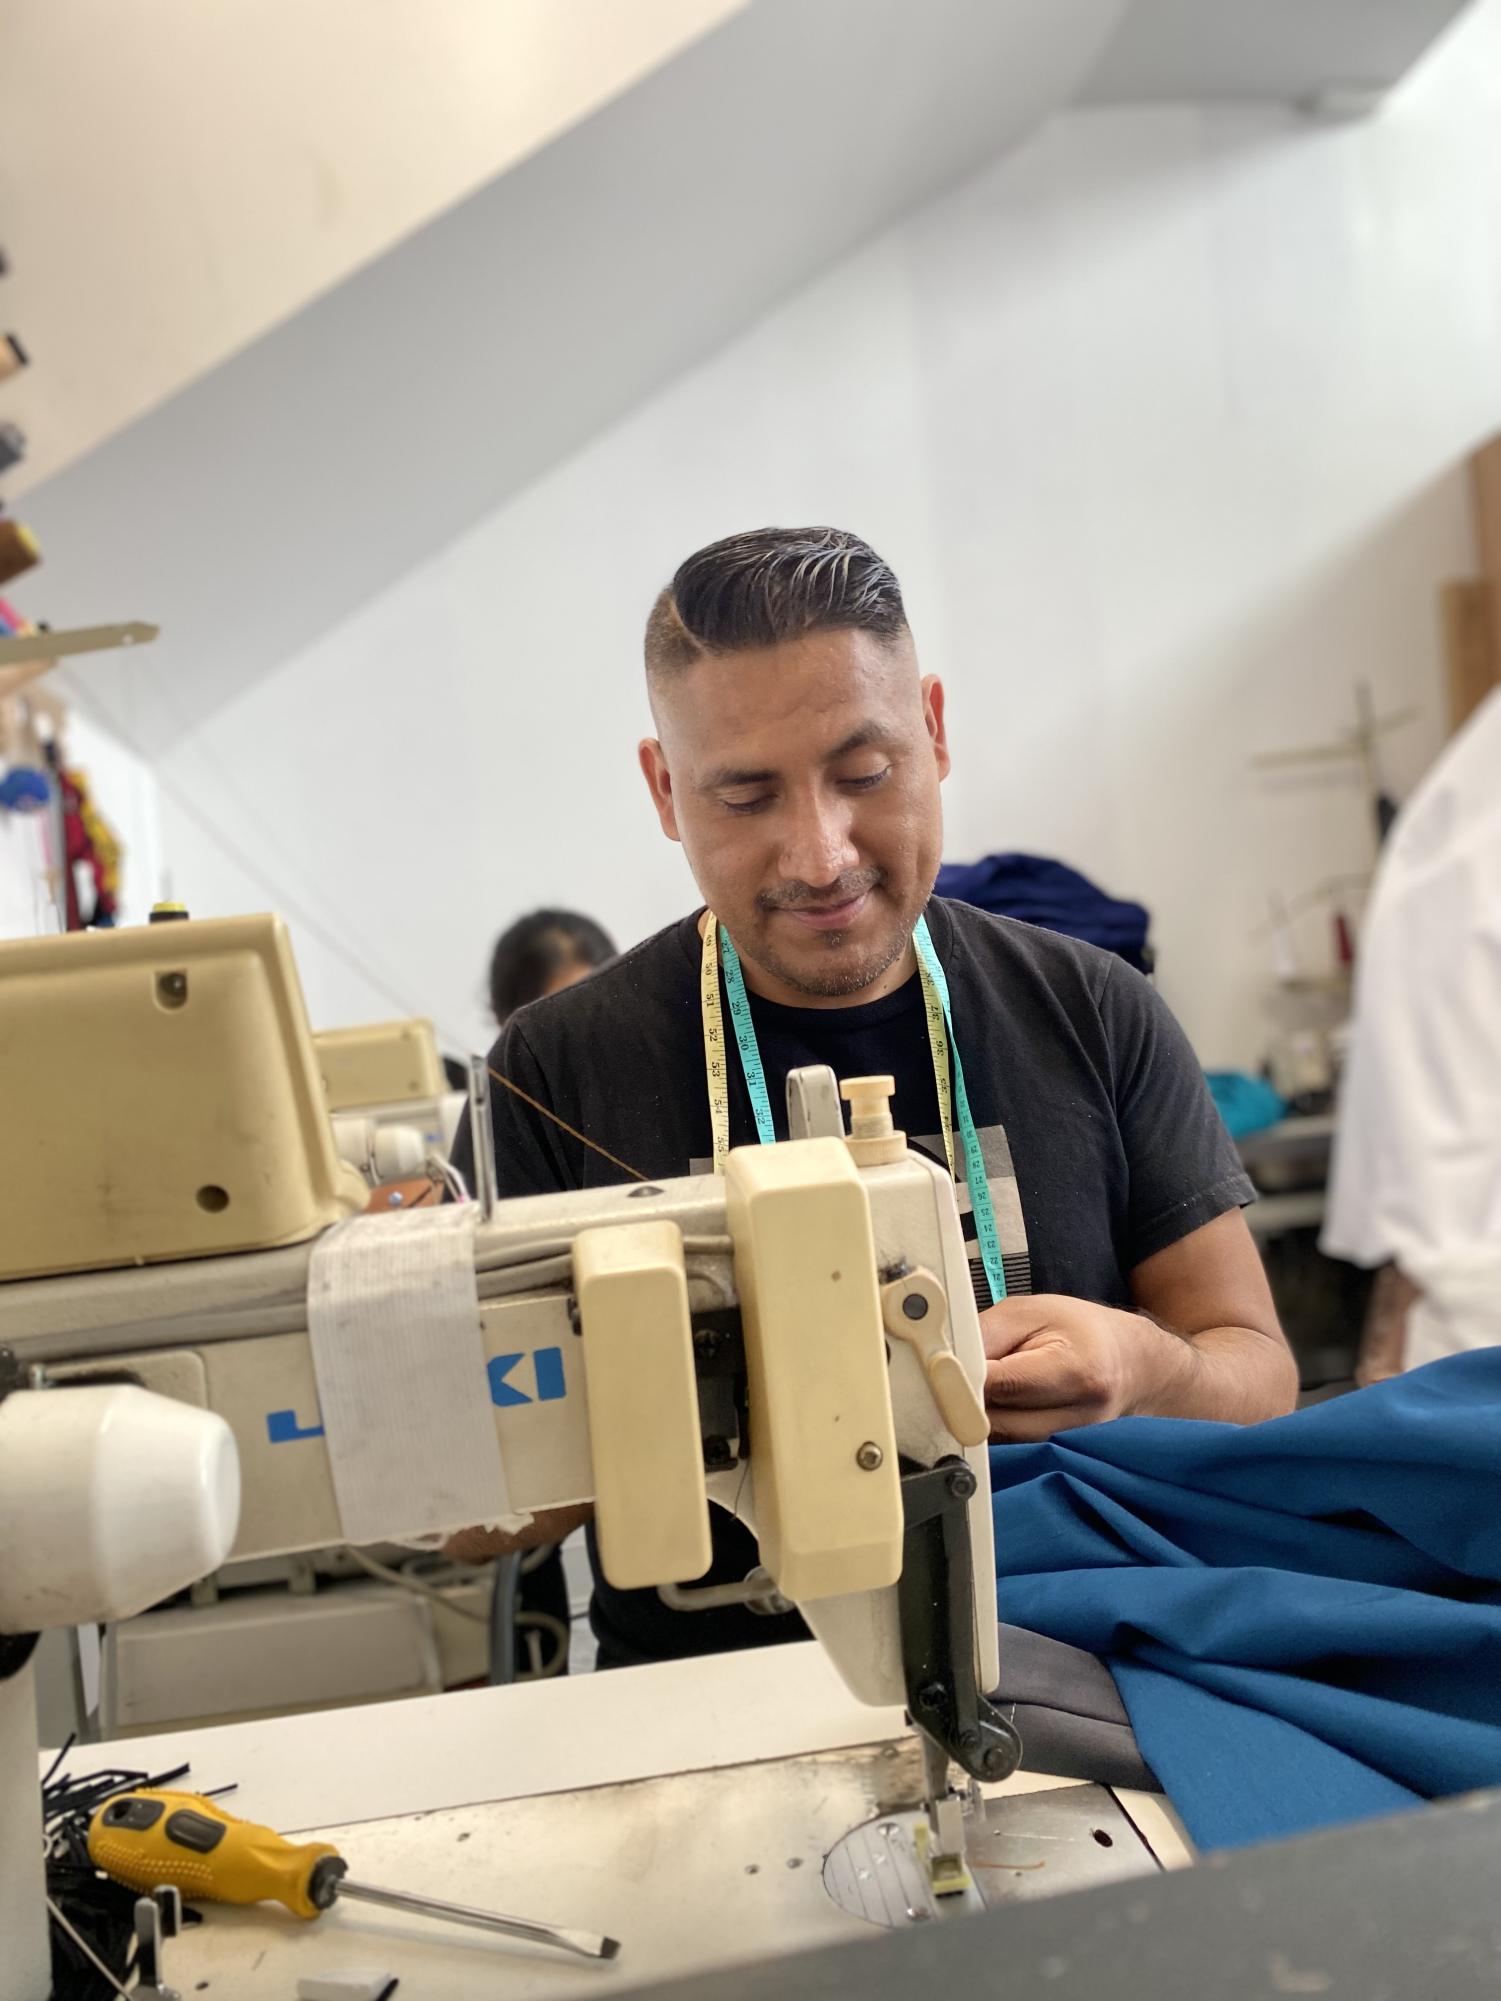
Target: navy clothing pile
{"x": 1052, "y": 896}
{"x": 1303, "y": 1617}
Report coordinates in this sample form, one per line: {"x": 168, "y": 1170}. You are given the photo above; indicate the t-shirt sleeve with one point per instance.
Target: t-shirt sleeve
{"x": 1183, "y": 1167}
{"x": 529, "y": 1159}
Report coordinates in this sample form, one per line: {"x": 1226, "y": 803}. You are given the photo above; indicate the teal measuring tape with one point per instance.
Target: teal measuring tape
{"x": 745, "y": 1038}
{"x": 975, "y": 1178}
{"x": 935, "y": 985}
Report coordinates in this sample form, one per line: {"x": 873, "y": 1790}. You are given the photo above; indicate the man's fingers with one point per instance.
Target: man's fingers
{"x": 1031, "y": 1427}
{"x": 1010, "y": 1322}
{"x": 1052, "y": 1363}
{"x": 1031, "y": 1379}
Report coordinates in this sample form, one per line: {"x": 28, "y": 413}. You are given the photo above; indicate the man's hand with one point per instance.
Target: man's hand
{"x": 1054, "y": 1362}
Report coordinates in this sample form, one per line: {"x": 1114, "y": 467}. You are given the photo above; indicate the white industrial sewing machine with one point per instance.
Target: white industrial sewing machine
{"x": 309, "y": 1628}
{"x": 392, "y": 1109}
{"x": 199, "y": 1365}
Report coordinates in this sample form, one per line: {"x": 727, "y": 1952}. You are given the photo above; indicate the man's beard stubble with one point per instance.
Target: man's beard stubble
{"x": 838, "y": 982}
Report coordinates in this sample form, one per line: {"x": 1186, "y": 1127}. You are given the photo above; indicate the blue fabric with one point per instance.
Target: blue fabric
{"x": 1303, "y": 1617}
{"x": 1246, "y": 1104}
{"x": 1049, "y": 894}
{"x": 23, "y": 790}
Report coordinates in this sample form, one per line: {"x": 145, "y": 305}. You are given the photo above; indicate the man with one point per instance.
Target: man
{"x": 798, "y": 758}
{"x": 1416, "y": 1185}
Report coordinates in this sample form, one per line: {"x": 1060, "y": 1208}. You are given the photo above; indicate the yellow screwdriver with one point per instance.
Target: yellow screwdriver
{"x": 145, "y": 1838}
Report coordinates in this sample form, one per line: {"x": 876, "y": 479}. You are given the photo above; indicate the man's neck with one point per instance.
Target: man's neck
{"x": 766, "y": 986}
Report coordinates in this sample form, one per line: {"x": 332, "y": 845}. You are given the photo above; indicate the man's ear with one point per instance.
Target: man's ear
{"x": 932, "y": 708}
{"x": 659, "y": 784}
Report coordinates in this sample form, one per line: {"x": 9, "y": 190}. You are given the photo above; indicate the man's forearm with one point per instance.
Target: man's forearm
{"x": 1237, "y": 1374}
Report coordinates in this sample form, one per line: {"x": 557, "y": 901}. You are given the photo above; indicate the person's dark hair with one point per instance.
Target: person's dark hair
{"x": 768, "y": 586}
{"x": 529, "y": 956}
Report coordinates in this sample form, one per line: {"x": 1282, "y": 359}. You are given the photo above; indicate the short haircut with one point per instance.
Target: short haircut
{"x": 767, "y": 586}
{"x": 530, "y": 955}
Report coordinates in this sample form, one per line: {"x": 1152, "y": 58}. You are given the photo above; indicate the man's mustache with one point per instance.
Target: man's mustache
{"x": 802, "y": 896}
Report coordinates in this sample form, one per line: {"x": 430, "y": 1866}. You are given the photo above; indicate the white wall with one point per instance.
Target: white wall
{"x": 1160, "y": 419}
{"x": 124, "y": 791}
{"x": 25, "y": 907}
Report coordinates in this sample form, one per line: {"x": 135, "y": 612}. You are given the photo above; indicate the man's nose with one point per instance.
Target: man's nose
{"x": 819, "y": 845}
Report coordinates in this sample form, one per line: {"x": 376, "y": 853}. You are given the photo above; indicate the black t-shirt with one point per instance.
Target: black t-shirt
{"x": 1101, "y": 1143}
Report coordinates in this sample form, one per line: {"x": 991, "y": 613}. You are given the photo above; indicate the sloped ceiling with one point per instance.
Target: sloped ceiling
{"x": 280, "y": 492}
{"x": 1301, "y": 50}
{"x": 176, "y": 178}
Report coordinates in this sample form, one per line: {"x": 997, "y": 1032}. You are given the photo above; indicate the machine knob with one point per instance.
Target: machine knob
{"x": 914, "y": 1312}
{"x": 873, "y": 1138}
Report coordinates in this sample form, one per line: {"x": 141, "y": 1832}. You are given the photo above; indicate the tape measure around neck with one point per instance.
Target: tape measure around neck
{"x": 718, "y": 947}
{"x": 976, "y": 1180}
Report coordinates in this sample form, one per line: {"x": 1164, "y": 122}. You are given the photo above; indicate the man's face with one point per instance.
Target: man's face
{"x": 802, "y": 781}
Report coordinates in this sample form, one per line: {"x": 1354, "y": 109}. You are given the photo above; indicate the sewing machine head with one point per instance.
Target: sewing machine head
{"x": 166, "y": 1080}
{"x": 795, "y": 1341}
{"x": 384, "y": 1084}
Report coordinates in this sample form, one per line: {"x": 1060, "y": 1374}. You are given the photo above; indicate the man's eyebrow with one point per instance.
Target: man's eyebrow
{"x": 729, "y": 776}
{"x": 868, "y": 736}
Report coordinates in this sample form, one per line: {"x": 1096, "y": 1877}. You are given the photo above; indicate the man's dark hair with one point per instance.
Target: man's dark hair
{"x": 767, "y": 586}
{"x": 529, "y": 956}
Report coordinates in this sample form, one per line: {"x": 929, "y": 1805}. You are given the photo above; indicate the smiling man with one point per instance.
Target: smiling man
{"x": 798, "y": 759}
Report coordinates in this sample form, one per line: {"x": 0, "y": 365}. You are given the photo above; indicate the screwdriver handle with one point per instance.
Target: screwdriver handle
{"x": 150, "y": 1837}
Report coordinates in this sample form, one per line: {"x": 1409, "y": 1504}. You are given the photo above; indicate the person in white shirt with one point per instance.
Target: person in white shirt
{"x": 1416, "y": 1180}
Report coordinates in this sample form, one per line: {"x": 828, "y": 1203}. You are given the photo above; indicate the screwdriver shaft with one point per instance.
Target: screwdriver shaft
{"x": 588, "y": 1945}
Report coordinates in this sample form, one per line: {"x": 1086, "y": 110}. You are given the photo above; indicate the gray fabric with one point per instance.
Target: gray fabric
{"x": 1068, "y": 1712}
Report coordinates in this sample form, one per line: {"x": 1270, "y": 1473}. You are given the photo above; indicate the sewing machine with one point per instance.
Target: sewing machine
{"x": 796, "y": 1341}
{"x": 312, "y": 1628}
{"x": 392, "y": 1109}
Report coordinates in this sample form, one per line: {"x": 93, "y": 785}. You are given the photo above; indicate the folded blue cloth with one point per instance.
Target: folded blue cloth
{"x": 1246, "y": 1104}
{"x": 1048, "y": 893}
{"x": 1303, "y": 1617}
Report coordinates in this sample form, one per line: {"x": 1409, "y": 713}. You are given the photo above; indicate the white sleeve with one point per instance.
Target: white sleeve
{"x": 1417, "y": 1166}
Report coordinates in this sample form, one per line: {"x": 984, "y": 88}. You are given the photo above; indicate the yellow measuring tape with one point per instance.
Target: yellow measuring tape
{"x": 938, "y": 1049}
{"x": 716, "y": 1065}
{"x": 717, "y": 1060}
